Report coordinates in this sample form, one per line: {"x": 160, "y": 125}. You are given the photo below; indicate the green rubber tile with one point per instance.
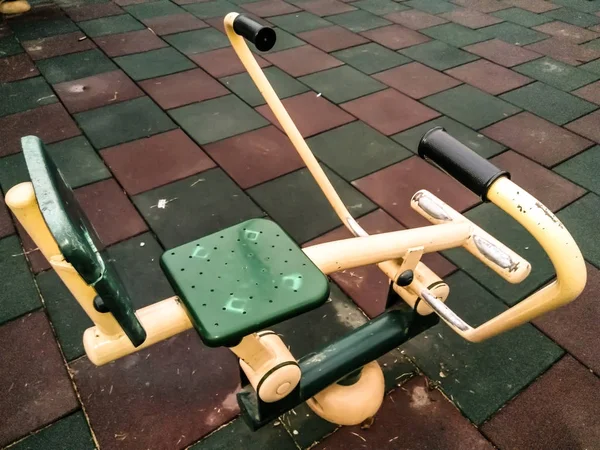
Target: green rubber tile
{"x": 198, "y": 41}
{"x": 508, "y": 231}
{"x": 431, "y": 6}
{"x": 371, "y": 58}
{"x": 471, "y": 106}
{"x": 558, "y": 74}
{"x": 356, "y": 150}
{"x": 19, "y": 294}
{"x": 78, "y": 162}
{"x": 480, "y": 378}
{"x": 144, "y": 11}
{"x": 13, "y": 171}
{"x": 521, "y": 17}
{"x": 583, "y": 169}
{"x": 580, "y": 5}
{"x": 593, "y": 66}
{"x": 27, "y": 30}
{"x": 71, "y": 432}
{"x": 379, "y": 7}
{"x": 475, "y": 141}
{"x": 25, "y": 94}
{"x": 342, "y": 84}
{"x": 123, "y": 122}
{"x": 549, "y": 103}
{"x": 110, "y": 25}
{"x": 207, "y": 10}
{"x": 455, "y": 34}
{"x": 299, "y": 22}
{"x": 243, "y": 86}
{"x": 216, "y": 119}
{"x": 197, "y": 206}
{"x": 581, "y": 219}
{"x": 438, "y": 55}
{"x": 358, "y": 21}
{"x": 285, "y": 41}
{"x": 75, "y": 65}
{"x": 9, "y": 46}
{"x": 289, "y": 198}
{"x": 573, "y": 17}
{"x": 513, "y": 33}
{"x": 155, "y": 63}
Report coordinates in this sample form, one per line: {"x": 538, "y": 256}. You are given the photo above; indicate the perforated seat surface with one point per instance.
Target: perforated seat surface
{"x": 243, "y": 279}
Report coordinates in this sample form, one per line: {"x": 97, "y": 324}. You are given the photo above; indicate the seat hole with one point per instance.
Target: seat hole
{"x": 251, "y": 297}
{"x": 172, "y": 253}
{"x": 203, "y": 304}
{"x": 182, "y": 269}
{"x": 224, "y": 309}
{"x": 214, "y": 248}
{"x": 212, "y": 290}
{"x": 193, "y": 287}
{"x": 270, "y": 301}
{"x": 216, "y": 324}
{"x": 244, "y": 312}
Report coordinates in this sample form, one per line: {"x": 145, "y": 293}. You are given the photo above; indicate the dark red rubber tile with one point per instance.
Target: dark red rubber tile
{"x": 470, "y": 18}
{"x": 174, "y": 23}
{"x": 83, "y": 12}
{"x": 537, "y": 139}
{"x": 183, "y": 88}
{"x": 489, "y": 77}
{"x": 393, "y": 187}
{"x": 62, "y": 44}
{"x": 396, "y": 36}
{"x": 484, "y": 6}
{"x": 303, "y": 60}
{"x": 6, "y": 225}
{"x": 109, "y": 210}
{"x": 567, "y": 31}
{"x": 416, "y": 80}
{"x": 51, "y": 123}
{"x": 223, "y": 62}
{"x": 97, "y": 90}
{"x": 17, "y": 67}
{"x": 587, "y": 126}
{"x": 565, "y": 51}
{"x": 591, "y": 92}
{"x": 326, "y": 7}
{"x": 164, "y": 397}
{"x": 332, "y": 38}
{"x": 155, "y": 161}
{"x": 389, "y": 111}
{"x": 534, "y": 6}
{"x": 268, "y": 8}
{"x": 310, "y": 113}
{"x": 415, "y": 19}
{"x": 36, "y": 389}
{"x": 559, "y": 410}
{"x": 502, "y": 53}
{"x": 255, "y": 157}
{"x": 413, "y": 416}
{"x": 128, "y": 43}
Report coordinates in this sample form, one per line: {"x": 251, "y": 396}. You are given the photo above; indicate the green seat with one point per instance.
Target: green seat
{"x": 243, "y": 279}
{"x": 76, "y": 237}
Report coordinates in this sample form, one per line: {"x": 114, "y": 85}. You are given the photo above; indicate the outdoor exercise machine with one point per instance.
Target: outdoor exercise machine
{"x": 232, "y": 285}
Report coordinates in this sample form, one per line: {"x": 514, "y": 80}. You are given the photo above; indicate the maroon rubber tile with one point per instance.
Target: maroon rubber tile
{"x": 587, "y": 126}
{"x": 502, "y": 53}
{"x": 36, "y": 389}
{"x": 83, "y": 12}
{"x": 393, "y": 187}
{"x": 57, "y": 45}
{"x": 591, "y": 92}
{"x": 332, "y": 38}
{"x": 17, "y": 67}
{"x": 155, "y": 161}
{"x": 537, "y": 139}
{"x": 51, "y": 123}
{"x": 302, "y": 60}
{"x": 183, "y": 88}
{"x": 326, "y": 7}
{"x": 311, "y": 114}
{"x": 396, "y": 36}
{"x": 489, "y": 77}
{"x": 109, "y": 210}
{"x": 97, "y": 90}
{"x": 565, "y": 51}
{"x": 535, "y": 6}
{"x": 559, "y": 410}
{"x": 174, "y": 23}
{"x": 164, "y": 397}
{"x": 470, "y": 18}
{"x": 368, "y": 286}
{"x": 415, "y": 19}
{"x": 128, "y": 43}
{"x": 223, "y": 62}
{"x": 255, "y": 157}
{"x": 130, "y": 2}
{"x": 484, "y": 6}
{"x": 549, "y": 188}
{"x": 416, "y": 80}
{"x": 389, "y": 111}
{"x": 37, "y": 261}
{"x": 413, "y": 416}
{"x": 268, "y": 8}
{"x": 6, "y": 225}
{"x": 580, "y": 315}
{"x": 567, "y": 31}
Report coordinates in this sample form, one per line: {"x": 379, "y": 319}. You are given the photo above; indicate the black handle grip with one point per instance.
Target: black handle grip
{"x": 262, "y": 37}
{"x": 459, "y": 161}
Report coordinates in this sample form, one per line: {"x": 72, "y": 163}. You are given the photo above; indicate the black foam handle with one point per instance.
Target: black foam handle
{"x": 459, "y": 161}
{"x": 262, "y": 37}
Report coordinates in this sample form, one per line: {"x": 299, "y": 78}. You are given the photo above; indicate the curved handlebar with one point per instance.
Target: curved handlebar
{"x": 262, "y": 37}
